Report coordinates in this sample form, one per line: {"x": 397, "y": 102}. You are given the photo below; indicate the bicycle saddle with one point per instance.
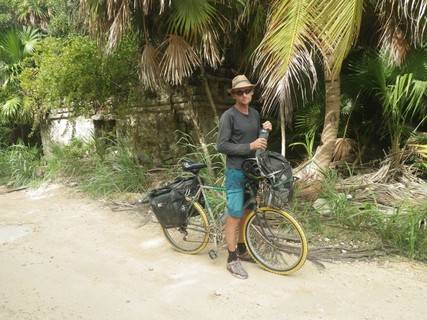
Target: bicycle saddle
{"x": 192, "y": 167}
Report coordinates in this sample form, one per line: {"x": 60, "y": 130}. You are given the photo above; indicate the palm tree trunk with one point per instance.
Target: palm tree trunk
{"x": 324, "y": 152}
{"x": 283, "y": 128}
{"x": 209, "y": 92}
{"x": 323, "y": 156}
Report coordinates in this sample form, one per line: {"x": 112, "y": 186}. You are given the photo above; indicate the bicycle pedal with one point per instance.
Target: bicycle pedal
{"x": 213, "y": 254}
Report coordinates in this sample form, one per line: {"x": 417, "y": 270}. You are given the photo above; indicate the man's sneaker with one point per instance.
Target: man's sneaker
{"x": 236, "y": 269}
{"x": 245, "y": 257}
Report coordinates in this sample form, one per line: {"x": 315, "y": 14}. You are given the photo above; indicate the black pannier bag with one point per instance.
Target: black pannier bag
{"x": 278, "y": 172}
{"x": 169, "y": 204}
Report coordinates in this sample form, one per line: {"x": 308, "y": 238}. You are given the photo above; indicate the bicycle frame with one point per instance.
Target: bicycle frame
{"x": 216, "y": 222}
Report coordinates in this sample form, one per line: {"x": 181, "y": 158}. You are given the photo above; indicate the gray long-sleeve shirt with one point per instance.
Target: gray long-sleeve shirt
{"x": 236, "y": 132}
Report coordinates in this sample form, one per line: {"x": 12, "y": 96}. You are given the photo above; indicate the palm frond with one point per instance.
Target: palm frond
{"x": 309, "y": 119}
{"x": 33, "y": 12}
{"x": 120, "y": 23}
{"x": 284, "y": 56}
{"x": 11, "y": 109}
{"x": 416, "y": 63}
{"x": 29, "y": 37}
{"x": 368, "y": 74}
{"x": 248, "y": 8}
{"x": 409, "y": 15}
{"x": 11, "y": 47}
{"x": 179, "y": 59}
{"x": 190, "y": 18}
{"x": 338, "y": 24}
{"x": 150, "y": 67}
{"x": 198, "y": 22}
{"x": 210, "y": 49}
{"x": 95, "y": 16}
{"x": 405, "y": 96}
{"x": 147, "y": 5}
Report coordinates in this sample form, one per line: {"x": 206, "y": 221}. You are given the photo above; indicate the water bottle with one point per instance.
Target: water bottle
{"x": 262, "y": 134}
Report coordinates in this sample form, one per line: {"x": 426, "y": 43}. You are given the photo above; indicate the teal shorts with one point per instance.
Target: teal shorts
{"x": 235, "y": 181}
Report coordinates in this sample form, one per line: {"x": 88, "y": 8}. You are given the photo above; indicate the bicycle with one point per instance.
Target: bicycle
{"x": 274, "y": 239}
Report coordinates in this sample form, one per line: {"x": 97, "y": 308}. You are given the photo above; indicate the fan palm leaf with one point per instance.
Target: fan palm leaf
{"x": 179, "y": 59}
{"x": 190, "y": 18}
{"x": 14, "y": 46}
{"x": 11, "y": 109}
{"x": 199, "y": 23}
{"x": 11, "y": 50}
{"x": 150, "y": 67}
{"x": 29, "y": 37}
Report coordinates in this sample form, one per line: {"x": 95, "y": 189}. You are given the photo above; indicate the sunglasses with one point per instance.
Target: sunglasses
{"x": 241, "y": 92}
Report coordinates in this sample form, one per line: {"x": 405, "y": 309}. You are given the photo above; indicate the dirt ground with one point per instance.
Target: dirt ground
{"x": 64, "y": 256}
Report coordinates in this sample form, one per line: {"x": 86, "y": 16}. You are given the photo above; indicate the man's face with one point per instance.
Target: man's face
{"x": 243, "y": 96}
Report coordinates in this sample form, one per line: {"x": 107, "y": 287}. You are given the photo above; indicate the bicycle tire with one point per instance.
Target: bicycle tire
{"x": 275, "y": 230}
{"x": 194, "y": 235}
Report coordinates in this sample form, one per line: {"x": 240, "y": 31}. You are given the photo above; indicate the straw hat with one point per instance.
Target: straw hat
{"x": 240, "y": 82}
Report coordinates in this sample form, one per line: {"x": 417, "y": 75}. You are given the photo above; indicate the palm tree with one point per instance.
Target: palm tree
{"x": 285, "y": 58}
{"x": 177, "y": 38}
{"x": 299, "y": 31}
{"x": 400, "y": 90}
{"x": 33, "y": 13}
{"x": 15, "y": 45}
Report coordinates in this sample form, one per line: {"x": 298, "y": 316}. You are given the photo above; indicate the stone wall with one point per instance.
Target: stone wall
{"x": 150, "y": 128}
{"x": 62, "y": 127}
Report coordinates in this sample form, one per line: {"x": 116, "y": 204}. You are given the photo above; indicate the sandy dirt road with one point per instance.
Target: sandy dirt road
{"x": 64, "y": 256}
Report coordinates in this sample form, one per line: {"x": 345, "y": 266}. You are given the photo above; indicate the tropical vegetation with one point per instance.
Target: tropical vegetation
{"x": 344, "y": 82}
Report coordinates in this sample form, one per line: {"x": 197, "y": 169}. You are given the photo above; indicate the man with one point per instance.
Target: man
{"x": 238, "y": 139}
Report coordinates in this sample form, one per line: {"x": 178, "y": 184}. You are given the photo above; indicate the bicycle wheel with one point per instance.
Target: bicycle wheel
{"x": 193, "y": 236}
{"x": 275, "y": 240}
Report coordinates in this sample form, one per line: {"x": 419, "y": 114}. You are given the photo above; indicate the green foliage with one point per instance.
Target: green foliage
{"x": 308, "y": 144}
{"x": 65, "y": 19}
{"x": 66, "y": 72}
{"x": 15, "y": 46}
{"x": 400, "y": 91}
{"x": 74, "y": 73}
{"x": 6, "y": 15}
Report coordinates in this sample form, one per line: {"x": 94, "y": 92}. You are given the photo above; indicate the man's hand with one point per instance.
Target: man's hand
{"x": 267, "y": 126}
{"x": 259, "y": 143}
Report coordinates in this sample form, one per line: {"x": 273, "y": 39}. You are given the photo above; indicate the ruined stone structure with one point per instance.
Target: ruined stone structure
{"x": 150, "y": 128}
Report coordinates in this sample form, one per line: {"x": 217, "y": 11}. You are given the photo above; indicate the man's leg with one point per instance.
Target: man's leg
{"x": 231, "y": 227}
{"x": 233, "y": 263}
{"x": 242, "y": 253}
{"x": 235, "y": 195}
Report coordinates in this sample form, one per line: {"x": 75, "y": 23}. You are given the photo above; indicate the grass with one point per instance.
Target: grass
{"x": 18, "y": 165}
{"x": 194, "y": 152}
{"x": 340, "y": 218}
{"x": 100, "y": 168}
